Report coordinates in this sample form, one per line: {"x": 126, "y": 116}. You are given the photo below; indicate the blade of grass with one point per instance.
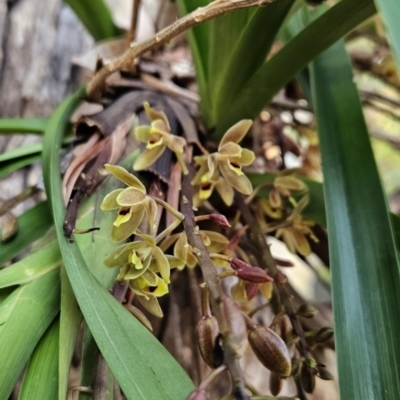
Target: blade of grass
{"x": 249, "y": 51}
{"x": 7, "y": 167}
{"x": 390, "y": 12}
{"x": 293, "y": 58}
{"x": 364, "y": 266}
{"x": 31, "y": 267}
{"x": 22, "y": 125}
{"x": 41, "y": 376}
{"x": 95, "y": 16}
{"x": 143, "y": 367}
{"x": 32, "y": 225}
{"x": 70, "y": 320}
{"x": 35, "y": 307}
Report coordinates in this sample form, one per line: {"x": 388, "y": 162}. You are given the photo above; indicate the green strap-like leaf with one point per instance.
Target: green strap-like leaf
{"x": 143, "y": 367}
{"x": 35, "y": 306}
{"x": 95, "y": 16}
{"x": 364, "y": 266}
{"x": 390, "y": 11}
{"x": 31, "y": 267}
{"x": 32, "y": 225}
{"x": 293, "y": 58}
{"x": 41, "y": 376}
{"x": 70, "y": 321}
{"x": 22, "y": 125}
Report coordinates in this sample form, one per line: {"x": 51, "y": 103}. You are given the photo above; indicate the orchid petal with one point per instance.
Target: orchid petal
{"x": 110, "y": 201}
{"x": 237, "y": 132}
{"x": 240, "y": 183}
{"x": 155, "y": 115}
{"x": 128, "y": 228}
{"x": 123, "y": 175}
{"x": 130, "y": 197}
{"x": 142, "y": 133}
{"x": 148, "y": 157}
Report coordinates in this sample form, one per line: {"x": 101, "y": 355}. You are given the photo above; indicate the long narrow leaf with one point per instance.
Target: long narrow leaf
{"x": 41, "y": 376}
{"x": 365, "y": 269}
{"x": 390, "y": 11}
{"x": 32, "y": 225}
{"x": 35, "y": 307}
{"x": 13, "y": 165}
{"x": 70, "y": 320}
{"x": 31, "y": 267}
{"x": 275, "y": 73}
{"x": 143, "y": 367}
{"x": 95, "y": 16}
{"x": 22, "y": 125}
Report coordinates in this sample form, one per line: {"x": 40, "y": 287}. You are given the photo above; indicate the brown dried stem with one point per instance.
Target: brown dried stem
{"x": 134, "y": 20}
{"x": 200, "y": 15}
{"x": 265, "y": 259}
{"x": 211, "y": 279}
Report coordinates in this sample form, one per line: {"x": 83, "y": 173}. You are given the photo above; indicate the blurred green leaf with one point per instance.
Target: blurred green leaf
{"x": 364, "y": 266}
{"x": 41, "y": 376}
{"x": 32, "y": 266}
{"x": 35, "y": 306}
{"x": 122, "y": 339}
{"x": 32, "y": 225}
{"x": 70, "y": 321}
{"x": 10, "y": 166}
{"x": 22, "y": 125}
{"x": 96, "y": 17}
{"x": 293, "y": 58}
{"x": 390, "y": 11}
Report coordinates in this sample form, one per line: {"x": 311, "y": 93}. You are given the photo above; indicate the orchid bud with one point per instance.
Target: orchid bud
{"x": 208, "y": 340}
{"x": 251, "y": 290}
{"x": 220, "y": 220}
{"x": 271, "y": 350}
{"x": 323, "y": 335}
{"x": 306, "y": 311}
{"x": 253, "y": 274}
{"x": 307, "y": 379}
{"x": 275, "y": 384}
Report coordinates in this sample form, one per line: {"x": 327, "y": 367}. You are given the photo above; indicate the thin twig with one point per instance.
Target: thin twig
{"x": 9, "y": 204}
{"x": 211, "y": 279}
{"x": 134, "y": 20}
{"x": 200, "y": 15}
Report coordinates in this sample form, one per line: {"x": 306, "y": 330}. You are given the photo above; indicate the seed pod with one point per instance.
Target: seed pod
{"x": 307, "y": 378}
{"x": 306, "y": 311}
{"x": 324, "y": 374}
{"x": 235, "y": 322}
{"x": 275, "y": 384}
{"x": 198, "y": 394}
{"x": 208, "y": 341}
{"x": 323, "y": 335}
{"x": 271, "y": 350}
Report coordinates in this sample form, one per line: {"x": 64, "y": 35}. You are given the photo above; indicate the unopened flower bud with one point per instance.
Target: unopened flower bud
{"x": 323, "y": 335}
{"x": 307, "y": 311}
{"x": 220, "y": 220}
{"x": 208, "y": 340}
{"x": 275, "y": 384}
{"x": 279, "y": 277}
{"x": 198, "y": 394}
{"x": 271, "y": 350}
{"x": 237, "y": 264}
{"x": 253, "y": 274}
{"x": 307, "y": 378}
{"x": 235, "y": 321}
{"x": 283, "y": 263}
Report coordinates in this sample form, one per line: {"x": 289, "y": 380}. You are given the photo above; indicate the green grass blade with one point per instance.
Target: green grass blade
{"x": 364, "y": 266}
{"x": 249, "y": 51}
{"x": 95, "y": 16}
{"x": 13, "y": 165}
{"x": 22, "y": 125}
{"x": 143, "y": 367}
{"x": 293, "y": 58}
{"x": 31, "y": 267}
{"x": 70, "y": 320}
{"x": 32, "y": 225}
{"x": 390, "y": 11}
{"x": 41, "y": 377}
{"x": 35, "y": 307}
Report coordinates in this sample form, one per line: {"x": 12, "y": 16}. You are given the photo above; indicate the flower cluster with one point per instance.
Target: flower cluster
{"x": 222, "y": 170}
{"x": 158, "y": 137}
{"x": 147, "y": 269}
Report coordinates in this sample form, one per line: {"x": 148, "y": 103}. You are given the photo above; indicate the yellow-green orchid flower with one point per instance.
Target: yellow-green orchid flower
{"x": 158, "y": 137}
{"x": 132, "y": 204}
